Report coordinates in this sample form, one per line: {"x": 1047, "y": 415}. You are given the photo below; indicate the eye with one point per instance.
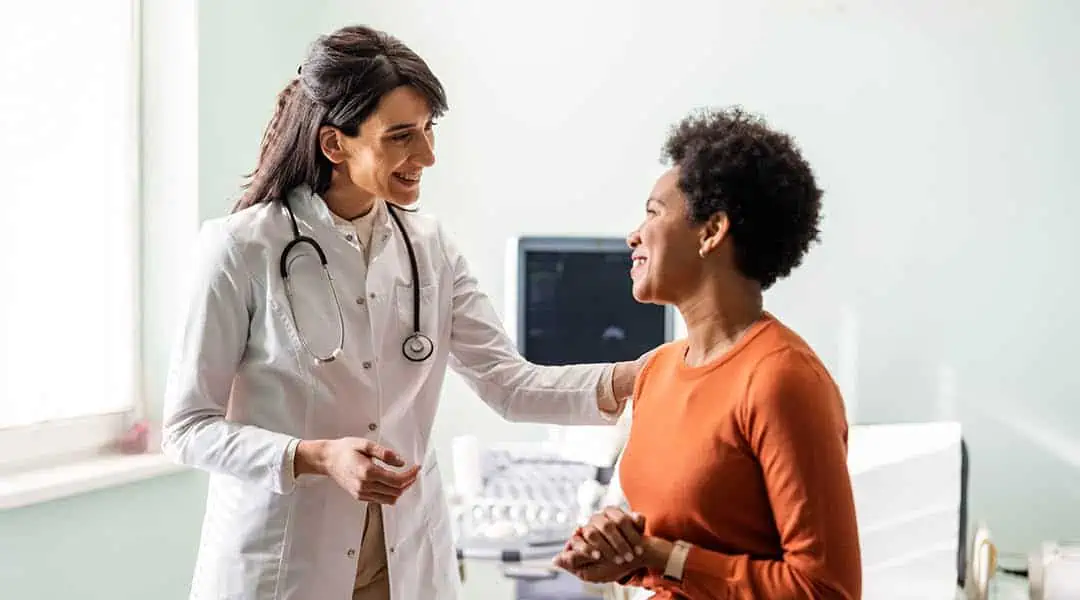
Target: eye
{"x": 402, "y": 137}
{"x": 431, "y": 125}
{"x": 651, "y": 212}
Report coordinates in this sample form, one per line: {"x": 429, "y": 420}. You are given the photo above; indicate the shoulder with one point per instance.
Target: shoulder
{"x": 426, "y": 231}
{"x": 780, "y": 352}
{"x": 792, "y": 380}
{"x": 792, "y": 400}
{"x": 659, "y": 363}
{"x": 788, "y": 364}
{"x": 237, "y": 239}
{"x": 666, "y": 355}
{"x": 422, "y": 227}
{"x": 252, "y": 225}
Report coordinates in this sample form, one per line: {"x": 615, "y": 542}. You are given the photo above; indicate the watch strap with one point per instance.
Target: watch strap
{"x": 676, "y": 562}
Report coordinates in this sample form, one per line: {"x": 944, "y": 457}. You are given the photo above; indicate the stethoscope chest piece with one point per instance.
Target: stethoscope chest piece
{"x": 417, "y": 347}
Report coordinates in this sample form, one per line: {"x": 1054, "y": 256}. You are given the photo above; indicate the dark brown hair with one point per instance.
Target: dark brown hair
{"x": 340, "y": 84}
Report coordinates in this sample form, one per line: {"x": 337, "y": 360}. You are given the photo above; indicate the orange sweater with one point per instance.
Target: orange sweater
{"x": 746, "y": 459}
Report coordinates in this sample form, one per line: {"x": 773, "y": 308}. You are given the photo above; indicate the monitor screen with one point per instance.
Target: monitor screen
{"x": 575, "y": 303}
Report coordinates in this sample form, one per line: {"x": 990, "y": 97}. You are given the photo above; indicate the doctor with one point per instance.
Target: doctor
{"x": 323, "y": 319}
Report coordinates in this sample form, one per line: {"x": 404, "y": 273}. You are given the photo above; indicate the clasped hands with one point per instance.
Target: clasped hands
{"x": 610, "y": 546}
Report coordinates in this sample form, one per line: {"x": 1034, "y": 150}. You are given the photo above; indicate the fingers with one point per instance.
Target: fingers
{"x": 388, "y": 456}
{"x": 564, "y": 560}
{"x": 370, "y": 471}
{"x": 624, "y": 528}
{"x": 561, "y": 560}
{"x": 378, "y": 492}
{"x": 399, "y": 480}
{"x": 615, "y": 534}
{"x": 582, "y": 554}
{"x": 369, "y": 490}
{"x": 366, "y": 476}
{"x": 570, "y": 542}
{"x": 598, "y": 541}
{"x": 576, "y": 555}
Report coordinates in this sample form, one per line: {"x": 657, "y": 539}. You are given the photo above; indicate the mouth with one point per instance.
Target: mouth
{"x": 407, "y": 178}
{"x": 636, "y": 264}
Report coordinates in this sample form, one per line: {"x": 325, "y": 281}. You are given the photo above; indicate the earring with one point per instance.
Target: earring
{"x": 701, "y": 253}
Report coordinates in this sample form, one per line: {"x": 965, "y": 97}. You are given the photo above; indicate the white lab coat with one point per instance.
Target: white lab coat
{"x": 241, "y": 390}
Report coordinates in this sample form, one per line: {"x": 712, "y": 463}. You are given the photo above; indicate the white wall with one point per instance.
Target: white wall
{"x": 946, "y": 279}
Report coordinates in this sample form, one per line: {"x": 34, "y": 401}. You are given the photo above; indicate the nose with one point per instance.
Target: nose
{"x": 424, "y": 154}
{"x": 633, "y": 239}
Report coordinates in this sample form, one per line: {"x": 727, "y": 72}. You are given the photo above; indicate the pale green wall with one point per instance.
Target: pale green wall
{"x": 132, "y": 542}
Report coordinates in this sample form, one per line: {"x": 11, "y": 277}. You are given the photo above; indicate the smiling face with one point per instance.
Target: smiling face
{"x": 667, "y": 266}
{"x": 387, "y": 157}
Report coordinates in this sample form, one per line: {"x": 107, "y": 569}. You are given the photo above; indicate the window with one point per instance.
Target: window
{"x": 69, "y": 261}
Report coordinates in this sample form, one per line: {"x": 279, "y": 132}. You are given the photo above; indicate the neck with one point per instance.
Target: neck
{"x": 717, "y": 315}
{"x": 348, "y": 201}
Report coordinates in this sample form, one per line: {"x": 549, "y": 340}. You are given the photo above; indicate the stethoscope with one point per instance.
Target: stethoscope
{"x": 417, "y": 347}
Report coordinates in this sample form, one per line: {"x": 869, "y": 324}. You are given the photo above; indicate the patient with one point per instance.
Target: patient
{"x": 736, "y": 466}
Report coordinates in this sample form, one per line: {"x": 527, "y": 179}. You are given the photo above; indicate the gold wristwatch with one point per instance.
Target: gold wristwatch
{"x": 676, "y": 562}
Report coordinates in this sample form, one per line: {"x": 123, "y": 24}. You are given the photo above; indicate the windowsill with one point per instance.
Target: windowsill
{"x": 73, "y": 478}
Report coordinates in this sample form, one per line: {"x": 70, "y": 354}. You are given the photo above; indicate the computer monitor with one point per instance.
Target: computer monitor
{"x": 571, "y": 302}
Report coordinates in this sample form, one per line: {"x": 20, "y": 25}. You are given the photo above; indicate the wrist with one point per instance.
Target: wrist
{"x": 310, "y": 458}
{"x": 622, "y": 380}
{"x": 657, "y": 553}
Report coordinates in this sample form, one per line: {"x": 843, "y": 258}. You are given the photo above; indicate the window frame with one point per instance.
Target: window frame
{"x": 64, "y": 441}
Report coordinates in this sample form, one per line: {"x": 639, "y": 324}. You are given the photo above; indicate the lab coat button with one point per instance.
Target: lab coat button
{"x": 349, "y": 237}
{"x": 350, "y": 553}
{"x": 360, "y": 300}
{"x": 367, "y": 364}
{"x": 372, "y": 427}
{"x": 371, "y": 295}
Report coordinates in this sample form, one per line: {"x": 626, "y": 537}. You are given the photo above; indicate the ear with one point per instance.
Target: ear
{"x": 712, "y": 234}
{"x": 330, "y": 142}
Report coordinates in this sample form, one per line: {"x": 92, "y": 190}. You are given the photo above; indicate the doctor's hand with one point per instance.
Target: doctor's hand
{"x": 625, "y": 376}
{"x": 351, "y": 463}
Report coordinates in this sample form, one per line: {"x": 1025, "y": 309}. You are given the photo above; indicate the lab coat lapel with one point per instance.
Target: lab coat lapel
{"x": 381, "y": 233}
{"x": 309, "y": 208}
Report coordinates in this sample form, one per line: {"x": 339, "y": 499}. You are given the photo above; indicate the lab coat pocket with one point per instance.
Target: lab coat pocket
{"x": 413, "y": 316}
{"x": 406, "y": 302}
{"x": 430, "y": 550}
{"x": 440, "y": 531}
{"x": 241, "y": 545}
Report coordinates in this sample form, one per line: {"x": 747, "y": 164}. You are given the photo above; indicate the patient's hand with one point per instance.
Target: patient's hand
{"x": 607, "y": 548}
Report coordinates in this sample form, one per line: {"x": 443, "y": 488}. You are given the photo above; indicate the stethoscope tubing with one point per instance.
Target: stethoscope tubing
{"x": 417, "y": 346}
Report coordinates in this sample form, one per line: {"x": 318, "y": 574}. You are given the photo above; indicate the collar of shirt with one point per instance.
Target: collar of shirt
{"x": 358, "y": 231}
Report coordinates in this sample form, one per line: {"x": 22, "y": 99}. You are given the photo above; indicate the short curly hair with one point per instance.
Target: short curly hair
{"x": 730, "y": 161}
